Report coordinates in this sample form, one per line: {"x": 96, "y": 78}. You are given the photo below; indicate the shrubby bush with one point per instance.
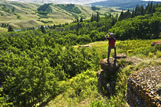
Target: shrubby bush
{"x": 82, "y": 39}
{"x": 32, "y": 66}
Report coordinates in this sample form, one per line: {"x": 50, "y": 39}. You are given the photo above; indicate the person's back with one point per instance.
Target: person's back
{"x": 111, "y": 41}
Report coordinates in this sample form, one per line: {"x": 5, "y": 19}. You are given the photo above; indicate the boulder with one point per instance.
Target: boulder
{"x": 156, "y": 43}
{"x": 119, "y": 56}
{"x": 144, "y": 88}
{"x": 85, "y": 46}
{"x": 112, "y": 66}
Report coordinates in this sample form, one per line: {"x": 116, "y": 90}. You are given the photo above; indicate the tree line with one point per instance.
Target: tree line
{"x": 139, "y": 10}
{"x": 142, "y": 26}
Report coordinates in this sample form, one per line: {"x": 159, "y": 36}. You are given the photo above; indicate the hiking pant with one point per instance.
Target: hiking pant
{"x": 109, "y": 50}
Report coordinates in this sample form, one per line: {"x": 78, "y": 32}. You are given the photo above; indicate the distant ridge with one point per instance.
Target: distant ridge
{"x": 123, "y": 4}
{"x": 60, "y": 1}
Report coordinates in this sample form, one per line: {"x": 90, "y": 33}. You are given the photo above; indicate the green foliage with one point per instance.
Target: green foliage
{"x": 95, "y": 17}
{"x": 44, "y": 9}
{"x": 97, "y": 103}
{"x": 3, "y": 99}
{"x": 35, "y": 82}
{"x": 77, "y": 89}
{"x": 32, "y": 66}
{"x": 158, "y": 54}
{"x": 139, "y": 10}
{"x": 81, "y": 32}
{"x": 70, "y": 8}
{"x": 141, "y": 27}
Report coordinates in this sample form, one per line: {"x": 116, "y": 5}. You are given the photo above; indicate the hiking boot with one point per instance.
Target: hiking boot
{"x": 108, "y": 61}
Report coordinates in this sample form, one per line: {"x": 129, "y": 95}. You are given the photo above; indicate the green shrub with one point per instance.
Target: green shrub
{"x": 151, "y": 55}
{"x": 97, "y": 103}
{"x": 158, "y": 54}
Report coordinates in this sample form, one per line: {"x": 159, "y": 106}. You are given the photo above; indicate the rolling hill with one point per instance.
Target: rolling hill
{"x": 25, "y": 15}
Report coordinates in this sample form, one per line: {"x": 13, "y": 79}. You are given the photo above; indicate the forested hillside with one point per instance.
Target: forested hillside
{"x": 42, "y": 65}
{"x": 142, "y": 23}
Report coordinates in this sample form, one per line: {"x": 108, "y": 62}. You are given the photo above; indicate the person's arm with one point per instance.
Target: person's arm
{"x": 107, "y": 36}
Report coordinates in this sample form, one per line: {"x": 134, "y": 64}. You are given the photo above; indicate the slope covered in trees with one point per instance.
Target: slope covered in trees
{"x": 32, "y": 66}
{"x": 140, "y": 26}
{"x": 44, "y": 9}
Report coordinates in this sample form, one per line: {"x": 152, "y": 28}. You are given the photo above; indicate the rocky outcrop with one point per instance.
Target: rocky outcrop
{"x": 106, "y": 82}
{"x": 144, "y": 88}
{"x": 156, "y": 43}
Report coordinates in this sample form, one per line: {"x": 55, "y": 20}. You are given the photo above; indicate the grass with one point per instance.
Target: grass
{"x": 3, "y": 29}
{"x": 129, "y": 47}
{"x": 80, "y": 91}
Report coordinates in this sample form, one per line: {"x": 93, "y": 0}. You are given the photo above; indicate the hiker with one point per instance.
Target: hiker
{"x": 112, "y": 40}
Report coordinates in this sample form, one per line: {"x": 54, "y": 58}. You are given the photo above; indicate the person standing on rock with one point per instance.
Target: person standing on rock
{"x": 112, "y": 40}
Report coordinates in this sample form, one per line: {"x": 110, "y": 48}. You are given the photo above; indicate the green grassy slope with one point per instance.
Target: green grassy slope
{"x": 24, "y": 15}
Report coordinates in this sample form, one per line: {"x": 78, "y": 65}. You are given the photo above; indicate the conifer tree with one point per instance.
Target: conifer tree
{"x": 98, "y": 17}
{"x": 77, "y": 20}
{"x": 133, "y": 13}
{"x": 127, "y": 14}
{"x": 92, "y": 18}
{"x": 81, "y": 19}
{"x": 10, "y": 29}
{"x": 42, "y": 29}
{"x": 142, "y": 10}
{"x": 13, "y": 9}
{"x": 54, "y": 26}
{"x": 121, "y": 16}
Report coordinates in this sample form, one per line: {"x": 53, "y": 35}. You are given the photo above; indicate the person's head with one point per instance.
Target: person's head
{"x": 111, "y": 35}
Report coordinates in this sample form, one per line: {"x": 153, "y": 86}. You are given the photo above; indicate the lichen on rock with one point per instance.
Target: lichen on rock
{"x": 143, "y": 88}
